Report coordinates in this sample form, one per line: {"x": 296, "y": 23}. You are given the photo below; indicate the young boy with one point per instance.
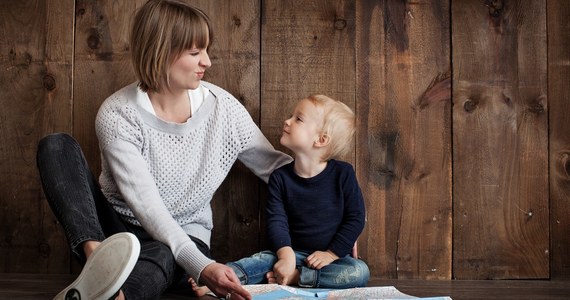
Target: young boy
{"x": 315, "y": 210}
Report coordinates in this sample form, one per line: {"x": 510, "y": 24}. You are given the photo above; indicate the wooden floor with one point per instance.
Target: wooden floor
{"x": 36, "y": 286}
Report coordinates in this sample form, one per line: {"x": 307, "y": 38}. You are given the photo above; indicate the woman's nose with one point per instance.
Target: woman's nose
{"x": 205, "y": 60}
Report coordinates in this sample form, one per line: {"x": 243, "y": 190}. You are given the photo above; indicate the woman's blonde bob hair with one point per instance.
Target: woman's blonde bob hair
{"x": 338, "y": 124}
{"x": 161, "y": 31}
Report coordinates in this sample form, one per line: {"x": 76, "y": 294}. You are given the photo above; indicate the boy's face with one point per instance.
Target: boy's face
{"x": 303, "y": 128}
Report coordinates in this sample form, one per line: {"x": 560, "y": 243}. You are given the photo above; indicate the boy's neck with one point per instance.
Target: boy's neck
{"x": 308, "y": 167}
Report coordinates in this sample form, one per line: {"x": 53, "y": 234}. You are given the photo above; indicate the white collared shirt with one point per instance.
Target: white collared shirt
{"x": 196, "y": 97}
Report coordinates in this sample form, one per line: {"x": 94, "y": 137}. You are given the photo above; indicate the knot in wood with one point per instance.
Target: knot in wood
{"x": 49, "y": 82}
{"x": 246, "y": 221}
{"x": 94, "y": 40}
{"x": 241, "y": 99}
{"x": 469, "y": 105}
{"x": 565, "y": 163}
{"x": 44, "y": 249}
{"x": 340, "y": 24}
{"x": 237, "y": 21}
{"x": 495, "y": 7}
{"x": 536, "y": 108}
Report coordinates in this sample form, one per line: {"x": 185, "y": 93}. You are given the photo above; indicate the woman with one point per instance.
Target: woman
{"x": 167, "y": 142}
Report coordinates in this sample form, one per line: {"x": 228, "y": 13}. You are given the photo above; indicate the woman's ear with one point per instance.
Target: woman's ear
{"x": 323, "y": 141}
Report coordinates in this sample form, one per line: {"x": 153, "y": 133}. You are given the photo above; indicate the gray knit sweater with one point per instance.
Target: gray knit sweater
{"x": 162, "y": 175}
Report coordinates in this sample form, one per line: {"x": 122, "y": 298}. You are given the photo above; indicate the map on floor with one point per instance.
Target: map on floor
{"x": 274, "y": 291}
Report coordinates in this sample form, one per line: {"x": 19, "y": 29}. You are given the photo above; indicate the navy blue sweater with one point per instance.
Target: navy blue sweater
{"x": 325, "y": 212}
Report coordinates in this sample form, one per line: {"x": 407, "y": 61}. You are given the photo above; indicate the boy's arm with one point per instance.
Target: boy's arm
{"x": 353, "y": 219}
{"x": 277, "y": 220}
{"x": 278, "y": 231}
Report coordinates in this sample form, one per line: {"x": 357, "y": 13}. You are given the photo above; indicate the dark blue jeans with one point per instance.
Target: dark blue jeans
{"x": 81, "y": 208}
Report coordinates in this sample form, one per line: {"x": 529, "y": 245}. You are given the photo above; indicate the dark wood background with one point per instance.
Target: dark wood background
{"x": 463, "y": 140}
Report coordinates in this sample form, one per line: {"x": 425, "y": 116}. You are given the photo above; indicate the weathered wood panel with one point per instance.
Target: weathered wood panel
{"x": 559, "y": 140}
{"x": 35, "y": 95}
{"x": 404, "y": 149}
{"x": 500, "y": 140}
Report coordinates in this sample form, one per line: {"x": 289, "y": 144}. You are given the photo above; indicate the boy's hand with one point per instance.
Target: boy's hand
{"x": 284, "y": 269}
{"x": 320, "y": 259}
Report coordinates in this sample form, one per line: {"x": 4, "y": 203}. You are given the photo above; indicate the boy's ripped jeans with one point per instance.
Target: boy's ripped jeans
{"x": 345, "y": 272}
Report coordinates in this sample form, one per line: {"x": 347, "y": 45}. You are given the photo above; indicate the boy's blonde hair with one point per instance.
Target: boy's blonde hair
{"x": 338, "y": 125}
{"x": 161, "y": 31}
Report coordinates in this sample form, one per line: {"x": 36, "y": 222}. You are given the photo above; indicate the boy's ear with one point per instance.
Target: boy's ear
{"x": 323, "y": 140}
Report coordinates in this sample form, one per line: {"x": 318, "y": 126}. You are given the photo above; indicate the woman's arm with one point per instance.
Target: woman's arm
{"x": 261, "y": 157}
{"x": 140, "y": 192}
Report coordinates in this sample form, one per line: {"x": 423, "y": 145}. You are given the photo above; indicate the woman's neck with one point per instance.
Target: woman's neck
{"x": 171, "y": 106}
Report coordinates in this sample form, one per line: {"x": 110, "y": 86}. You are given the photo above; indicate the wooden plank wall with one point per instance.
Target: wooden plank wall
{"x": 558, "y": 24}
{"x": 500, "y": 140}
{"x": 462, "y": 149}
{"x": 36, "y": 95}
{"x": 404, "y": 138}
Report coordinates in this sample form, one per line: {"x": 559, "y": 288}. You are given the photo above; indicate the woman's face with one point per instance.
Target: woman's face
{"x": 187, "y": 71}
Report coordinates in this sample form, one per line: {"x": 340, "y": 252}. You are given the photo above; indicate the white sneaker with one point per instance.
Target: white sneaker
{"x": 106, "y": 269}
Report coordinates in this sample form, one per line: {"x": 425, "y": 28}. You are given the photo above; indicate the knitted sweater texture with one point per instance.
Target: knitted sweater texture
{"x": 162, "y": 176}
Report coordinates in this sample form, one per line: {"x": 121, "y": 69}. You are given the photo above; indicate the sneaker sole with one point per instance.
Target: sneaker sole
{"x": 106, "y": 270}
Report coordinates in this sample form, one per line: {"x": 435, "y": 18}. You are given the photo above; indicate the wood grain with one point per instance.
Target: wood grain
{"x": 500, "y": 140}
{"x": 558, "y": 97}
{"x": 36, "y": 81}
{"x": 403, "y": 146}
